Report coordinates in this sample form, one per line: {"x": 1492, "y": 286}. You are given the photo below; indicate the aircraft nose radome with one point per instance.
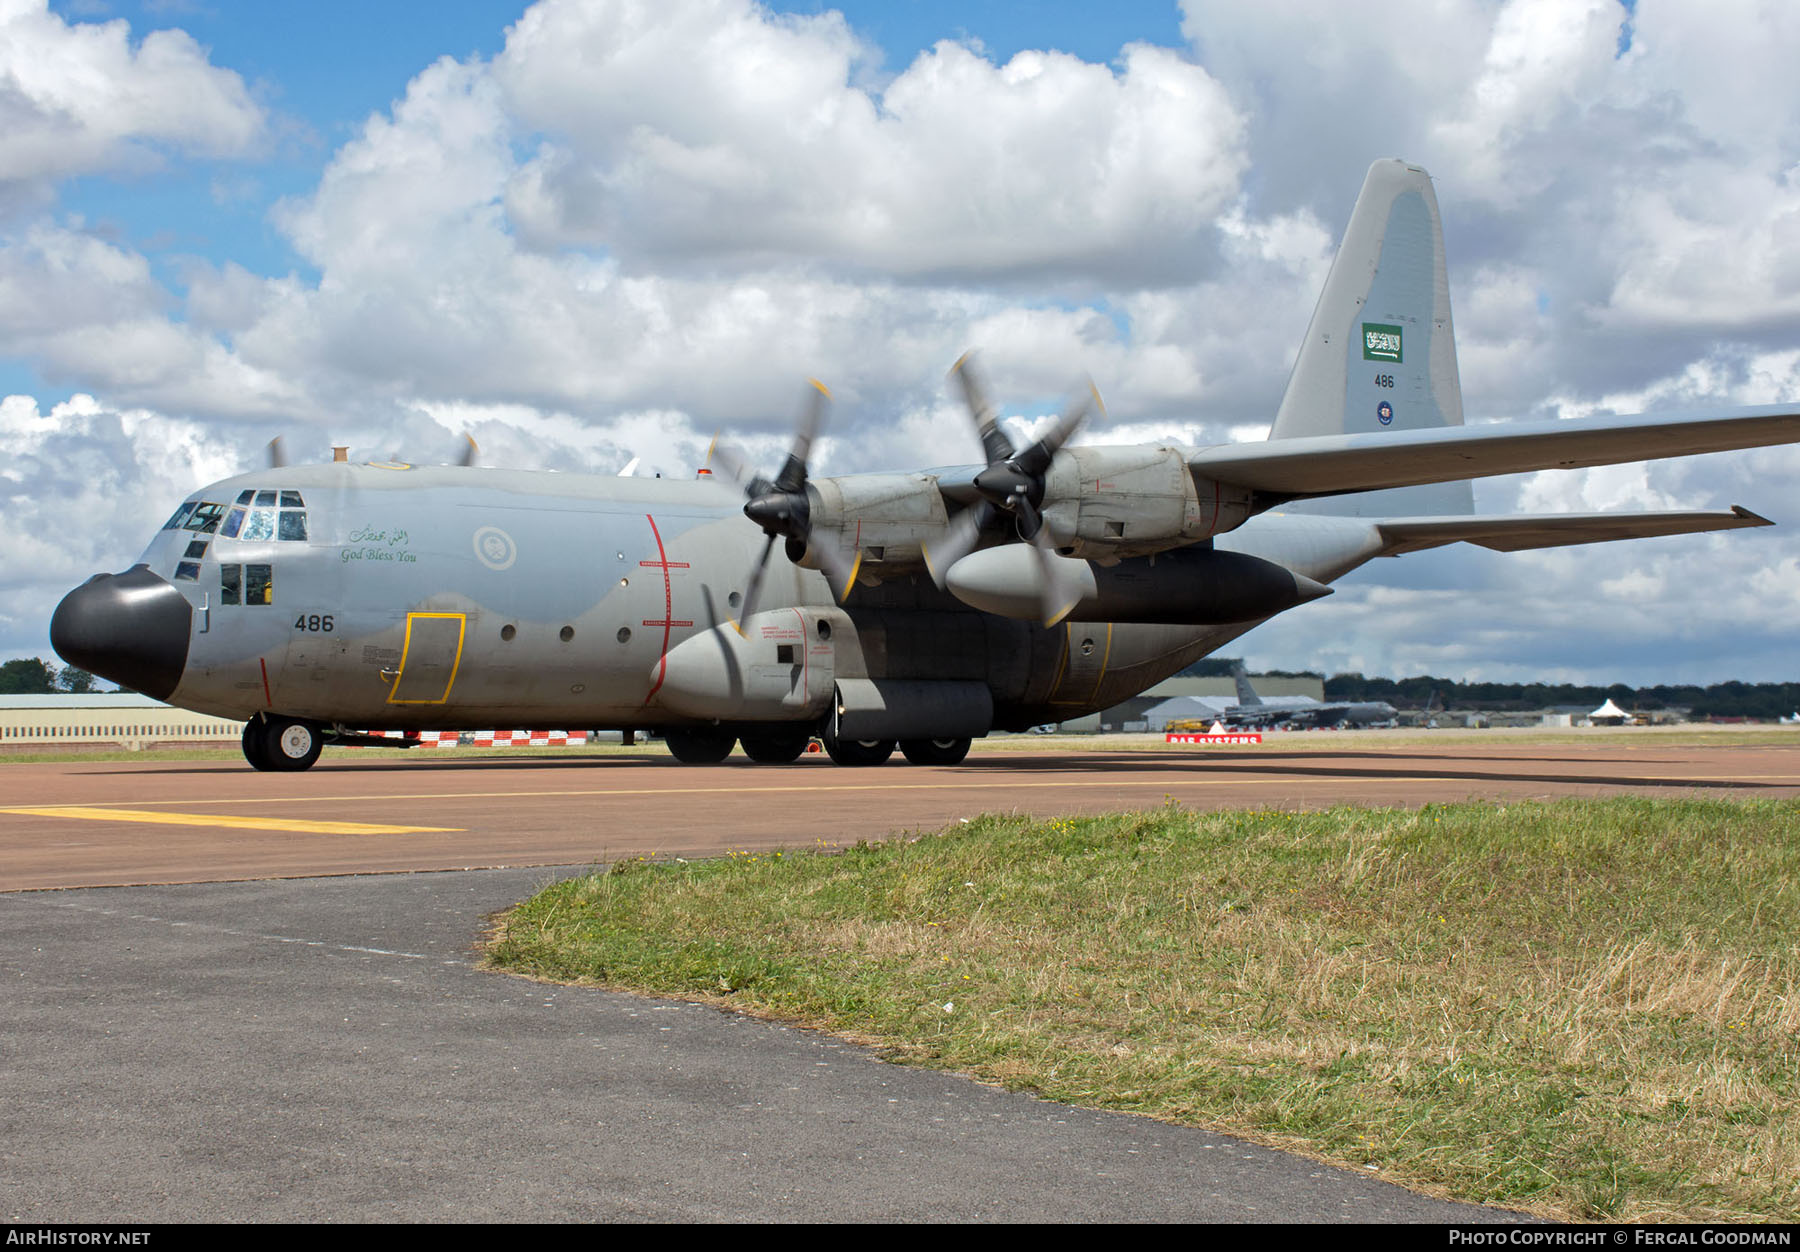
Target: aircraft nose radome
{"x": 131, "y": 628}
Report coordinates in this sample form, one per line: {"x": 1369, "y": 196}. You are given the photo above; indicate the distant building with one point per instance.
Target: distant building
{"x": 1220, "y": 692}
{"x": 115, "y": 719}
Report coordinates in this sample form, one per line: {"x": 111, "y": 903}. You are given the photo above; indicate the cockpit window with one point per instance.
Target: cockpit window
{"x": 231, "y": 583}
{"x": 259, "y": 515}
{"x": 195, "y": 549}
{"x": 261, "y": 525}
{"x": 188, "y": 571}
{"x": 205, "y": 517}
{"x": 259, "y": 584}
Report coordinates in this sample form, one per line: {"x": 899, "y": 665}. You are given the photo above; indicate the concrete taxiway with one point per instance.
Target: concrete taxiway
{"x": 101, "y": 823}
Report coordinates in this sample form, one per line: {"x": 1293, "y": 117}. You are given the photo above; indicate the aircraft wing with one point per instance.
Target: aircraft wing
{"x": 1328, "y": 465}
{"x": 1515, "y": 533}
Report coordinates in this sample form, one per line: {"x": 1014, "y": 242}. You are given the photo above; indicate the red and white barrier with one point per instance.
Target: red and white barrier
{"x": 528, "y": 738}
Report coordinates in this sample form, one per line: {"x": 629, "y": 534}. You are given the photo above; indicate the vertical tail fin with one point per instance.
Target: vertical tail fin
{"x": 1245, "y": 692}
{"x": 1380, "y": 353}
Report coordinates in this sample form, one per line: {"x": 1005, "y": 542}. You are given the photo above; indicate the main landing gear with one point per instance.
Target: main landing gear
{"x": 282, "y": 744}
{"x": 708, "y": 745}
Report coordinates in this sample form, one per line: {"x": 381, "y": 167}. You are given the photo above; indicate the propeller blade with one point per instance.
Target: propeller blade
{"x": 1036, "y": 459}
{"x": 277, "y": 452}
{"x": 840, "y": 571}
{"x": 736, "y": 468}
{"x": 792, "y": 477}
{"x": 993, "y": 440}
{"x": 471, "y": 452}
{"x": 747, "y": 607}
{"x": 958, "y": 540}
{"x": 1060, "y": 596}
{"x": 1031, "y": 522}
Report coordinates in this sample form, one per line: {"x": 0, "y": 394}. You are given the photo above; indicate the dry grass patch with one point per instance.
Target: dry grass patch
{"x": 1586, "y": 1008}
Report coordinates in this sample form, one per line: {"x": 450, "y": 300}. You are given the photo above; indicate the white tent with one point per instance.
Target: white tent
{"x": 1609, "y": 713}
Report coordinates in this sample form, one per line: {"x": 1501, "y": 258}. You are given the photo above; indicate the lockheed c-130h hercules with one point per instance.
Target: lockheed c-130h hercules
{"x": 921, "y": 609}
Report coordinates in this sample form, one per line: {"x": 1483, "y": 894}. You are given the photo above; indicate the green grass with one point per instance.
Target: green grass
{"x": 1587, "y": 1008}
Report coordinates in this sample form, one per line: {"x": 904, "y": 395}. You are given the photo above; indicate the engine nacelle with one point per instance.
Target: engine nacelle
{"x": 1115, "y": 502}
{"x": 782, "y": 668}
{"x": 888, "y": 517}
{"x": 1189, "y": 586}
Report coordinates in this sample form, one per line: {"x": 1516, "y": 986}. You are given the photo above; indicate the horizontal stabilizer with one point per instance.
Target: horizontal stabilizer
{"x": 1513, "y": 533}
{"x": 1326, "y": 465}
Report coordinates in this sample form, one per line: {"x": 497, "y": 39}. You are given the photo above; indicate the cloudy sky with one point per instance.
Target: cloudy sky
{"x": 586, "y": 231}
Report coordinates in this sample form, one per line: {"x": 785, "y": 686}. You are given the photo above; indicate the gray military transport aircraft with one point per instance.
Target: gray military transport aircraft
{"x": 323, "y": 602}
{"x": 1300, "y": 712}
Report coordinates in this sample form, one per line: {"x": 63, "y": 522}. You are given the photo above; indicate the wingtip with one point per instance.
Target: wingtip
{"x": 1752, "y": 519}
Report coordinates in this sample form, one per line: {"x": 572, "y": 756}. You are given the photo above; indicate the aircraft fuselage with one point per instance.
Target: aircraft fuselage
{"x": 415, "y": 598}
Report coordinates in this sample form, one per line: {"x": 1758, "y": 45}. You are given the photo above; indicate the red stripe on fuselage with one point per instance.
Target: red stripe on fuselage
{"x": 668, "y": 621}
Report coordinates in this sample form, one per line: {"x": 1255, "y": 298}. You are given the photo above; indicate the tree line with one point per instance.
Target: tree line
{"x": 34, "y": 676}
{"x": 1727, "y": 699}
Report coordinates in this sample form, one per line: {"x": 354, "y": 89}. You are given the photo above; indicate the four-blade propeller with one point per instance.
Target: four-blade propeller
{"x": 783, "y": 509}
{"x": 1013, "y": 482}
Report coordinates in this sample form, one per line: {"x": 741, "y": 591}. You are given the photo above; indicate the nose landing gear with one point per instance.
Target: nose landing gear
{"x": 282, "y": 744}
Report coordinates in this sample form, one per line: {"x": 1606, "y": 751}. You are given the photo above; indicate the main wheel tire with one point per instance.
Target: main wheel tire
{"x": 256, "y": 747}
{"x": 859, "y": 751}
{"x": 935, "y": 751}
{"x": 775, "y": 749}
{"x": 290, "y": 744}
{"x": 699, "y": 746}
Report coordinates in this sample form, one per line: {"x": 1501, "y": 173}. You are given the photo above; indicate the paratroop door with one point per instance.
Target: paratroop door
{"x": 428, "y": 664}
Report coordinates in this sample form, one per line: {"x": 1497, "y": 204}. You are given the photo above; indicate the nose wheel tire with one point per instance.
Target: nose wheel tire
{"x": 935, "y": 751}
{"x": 282, "y": 744}
{"x": 858, "y": 751}
{"x": 699, "y": 746}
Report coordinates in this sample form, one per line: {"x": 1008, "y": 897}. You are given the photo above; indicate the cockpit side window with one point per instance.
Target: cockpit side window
{"x": 259, "y": 584}
{"x": 180, "y": 515}
{"x": 205, "y": 517}
{"x": 231, "y": 583}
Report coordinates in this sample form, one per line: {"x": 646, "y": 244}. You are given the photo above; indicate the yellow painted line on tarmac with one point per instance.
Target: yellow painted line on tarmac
{"x": 1109, "y": 783}
{"x": 294, "y": 825}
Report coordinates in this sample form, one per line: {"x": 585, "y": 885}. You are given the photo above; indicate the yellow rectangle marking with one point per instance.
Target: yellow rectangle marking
{"x": 406, "y": 651}
{"x": 296, "y": 825}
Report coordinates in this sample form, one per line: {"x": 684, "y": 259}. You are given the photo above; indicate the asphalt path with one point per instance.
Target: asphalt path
{"x": 293, "y": 1046}
{"x": 325, "y": 1050}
